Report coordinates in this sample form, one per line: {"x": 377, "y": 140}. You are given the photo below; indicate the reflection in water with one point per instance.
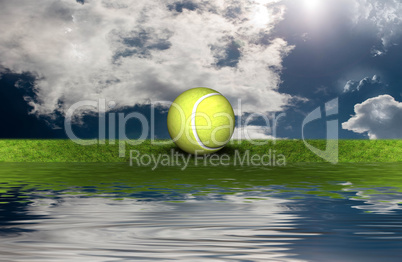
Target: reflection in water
{"x": 96, "y": 228}
{"x": 383, "y": 201}
{"x": 92, "y": 212}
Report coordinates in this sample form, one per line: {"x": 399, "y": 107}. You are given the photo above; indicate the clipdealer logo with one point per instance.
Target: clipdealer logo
{"x": 245, "y": 158}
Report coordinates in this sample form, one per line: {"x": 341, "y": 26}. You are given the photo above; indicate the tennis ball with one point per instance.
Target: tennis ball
{"x": 201, "y": 121}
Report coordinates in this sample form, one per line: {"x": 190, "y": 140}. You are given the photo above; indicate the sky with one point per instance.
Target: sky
{"x": 278, "y": 57}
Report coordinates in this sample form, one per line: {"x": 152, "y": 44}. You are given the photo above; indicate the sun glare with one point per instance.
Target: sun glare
{"x": 312, "y": 5}
{"x": 261, "y": 16}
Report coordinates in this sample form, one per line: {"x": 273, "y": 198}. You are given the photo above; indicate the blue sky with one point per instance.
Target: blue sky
{"x": 276, "y": 56}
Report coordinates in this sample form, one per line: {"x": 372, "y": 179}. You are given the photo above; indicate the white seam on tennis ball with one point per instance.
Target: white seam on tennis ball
{"x": 194, "y": 128}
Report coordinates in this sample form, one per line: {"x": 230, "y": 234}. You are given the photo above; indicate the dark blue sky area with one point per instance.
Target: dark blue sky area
{"x": 333, "y": 56}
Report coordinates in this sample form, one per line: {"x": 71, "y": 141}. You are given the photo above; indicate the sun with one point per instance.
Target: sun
{"x": 312, "y": 5}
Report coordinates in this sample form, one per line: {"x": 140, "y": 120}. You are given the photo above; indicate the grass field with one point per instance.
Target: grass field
{"x": 294, "y": 150}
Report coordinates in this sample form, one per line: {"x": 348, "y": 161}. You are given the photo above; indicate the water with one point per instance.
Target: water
{"x": 113, "y": 212}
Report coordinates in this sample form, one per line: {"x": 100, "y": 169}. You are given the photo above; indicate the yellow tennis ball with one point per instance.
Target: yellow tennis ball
{"x": 201, "y": 121}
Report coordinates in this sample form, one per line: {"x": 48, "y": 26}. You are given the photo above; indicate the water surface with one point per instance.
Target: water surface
{"x": 114, "y": 212}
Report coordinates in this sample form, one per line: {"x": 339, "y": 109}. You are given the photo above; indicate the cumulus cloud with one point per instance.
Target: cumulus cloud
{"x": 252, "y": 132}
{"x": 384, "y": 17}
{"x": 379, "y": 117}
{"x": 354, "y": 86}
{"x": 134, "y": 51}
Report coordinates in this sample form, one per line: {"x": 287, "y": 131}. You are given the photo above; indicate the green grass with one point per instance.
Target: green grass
{"x": 295, "y": 151}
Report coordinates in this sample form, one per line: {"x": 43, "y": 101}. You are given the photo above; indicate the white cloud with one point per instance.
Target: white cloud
{"x": 384, "y": 16}
{"x": 379, "y": 117}
{"x": 252, "y": 132}
{"x": 131, "y": 51}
